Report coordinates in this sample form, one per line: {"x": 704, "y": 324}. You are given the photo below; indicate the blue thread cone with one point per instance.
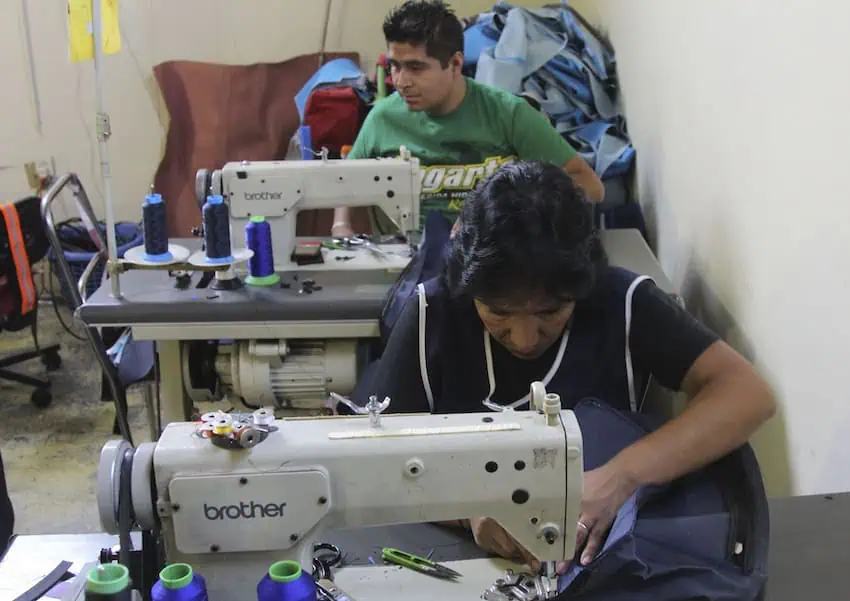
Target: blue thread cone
{"x": 258, "y": 238}
{"x": 285, "y": 581}
{"x": 178, "y": 582}
{"x": 155, "y": 229}
{"x": 217, "y": 230}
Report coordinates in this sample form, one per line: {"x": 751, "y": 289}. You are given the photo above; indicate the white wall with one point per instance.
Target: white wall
{"x": 739, "y": 112}
{"x": 153, "y": 31}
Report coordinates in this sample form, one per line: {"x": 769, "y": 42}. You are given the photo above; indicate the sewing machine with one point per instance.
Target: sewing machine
{"x": 278, "y": 190}
{"x": 231, "y": 498}
{"x": 297, "y": 371}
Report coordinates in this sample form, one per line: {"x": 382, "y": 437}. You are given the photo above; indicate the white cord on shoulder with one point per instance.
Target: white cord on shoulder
{"x": 630, "y": 375}
{"x": 423, "y": 357}
{"x": 491, "y": 374}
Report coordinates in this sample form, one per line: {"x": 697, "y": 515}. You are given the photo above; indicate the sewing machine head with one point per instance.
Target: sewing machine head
{"x": 278, "y": 190}
{"x": 233, "y": 498}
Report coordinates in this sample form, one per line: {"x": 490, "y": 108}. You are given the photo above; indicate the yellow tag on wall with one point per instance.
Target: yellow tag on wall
{"x": 81, "y": 32}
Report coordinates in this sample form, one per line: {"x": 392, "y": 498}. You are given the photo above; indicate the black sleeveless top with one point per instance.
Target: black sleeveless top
{"x": 591, "y": 360}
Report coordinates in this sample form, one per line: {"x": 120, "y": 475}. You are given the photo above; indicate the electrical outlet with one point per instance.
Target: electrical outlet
{"x": 39, "y": 175}
{"x": 33, "y": 179}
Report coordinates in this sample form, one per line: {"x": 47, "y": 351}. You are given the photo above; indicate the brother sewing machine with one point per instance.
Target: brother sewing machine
{"x": 287, "y": 345}
{"x": 278, "y": 190}
{"x": 231, "y": 497}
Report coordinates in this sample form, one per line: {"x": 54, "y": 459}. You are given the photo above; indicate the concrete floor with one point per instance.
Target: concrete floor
{"x": 50, "y": 455}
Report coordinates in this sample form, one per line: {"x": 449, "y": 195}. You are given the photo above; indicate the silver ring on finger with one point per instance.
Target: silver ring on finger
{"x": 581, "y": 524}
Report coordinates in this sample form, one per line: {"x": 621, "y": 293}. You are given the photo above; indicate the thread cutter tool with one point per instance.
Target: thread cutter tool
{"x": 420, "y": 564}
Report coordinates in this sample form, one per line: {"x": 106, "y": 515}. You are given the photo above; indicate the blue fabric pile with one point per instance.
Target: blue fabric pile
{"x": 551, "y": 56}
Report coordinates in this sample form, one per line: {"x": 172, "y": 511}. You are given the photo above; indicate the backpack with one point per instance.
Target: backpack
{"x": 334, "y": 116}
{"x": 425, "y": 264}
{"x": 702, "y": 537}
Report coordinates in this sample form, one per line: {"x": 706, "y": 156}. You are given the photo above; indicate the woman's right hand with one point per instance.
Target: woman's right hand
{"x": 495, "y": 539}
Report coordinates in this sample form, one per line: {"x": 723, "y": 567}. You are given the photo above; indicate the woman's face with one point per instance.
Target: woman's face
{"x": 527, "y": 329}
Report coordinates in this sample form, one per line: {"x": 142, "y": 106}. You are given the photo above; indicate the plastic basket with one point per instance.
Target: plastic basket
{"x": 71, "y": 233}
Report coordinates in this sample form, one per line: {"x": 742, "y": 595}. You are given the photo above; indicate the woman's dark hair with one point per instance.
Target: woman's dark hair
{"x": 429, "y": 23}
{"x": 525, "y": 232}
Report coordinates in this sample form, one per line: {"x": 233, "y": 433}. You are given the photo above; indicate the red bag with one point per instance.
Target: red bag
{"x": 334, "y": 116}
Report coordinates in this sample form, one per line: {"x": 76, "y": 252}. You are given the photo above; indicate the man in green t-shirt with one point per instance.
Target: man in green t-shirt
{"x": 459, "y": 129}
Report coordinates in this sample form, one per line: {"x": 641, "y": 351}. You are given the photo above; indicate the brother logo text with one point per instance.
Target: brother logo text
{"x": 244, "y": 511}
{"x": 263, "y": 195}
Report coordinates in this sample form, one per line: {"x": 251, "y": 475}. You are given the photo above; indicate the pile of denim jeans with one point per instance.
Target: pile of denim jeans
{"x": 554, "y": 57}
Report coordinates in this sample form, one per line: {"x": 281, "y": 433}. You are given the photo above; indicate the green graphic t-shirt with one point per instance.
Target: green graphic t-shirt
{"x": 491, "y": 127}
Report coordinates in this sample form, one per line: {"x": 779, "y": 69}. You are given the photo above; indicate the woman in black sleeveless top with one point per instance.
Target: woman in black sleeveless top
{"x": 527, "y": 295}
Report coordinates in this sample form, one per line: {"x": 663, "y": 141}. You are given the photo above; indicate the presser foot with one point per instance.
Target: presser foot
{"x": 522, "y": 587}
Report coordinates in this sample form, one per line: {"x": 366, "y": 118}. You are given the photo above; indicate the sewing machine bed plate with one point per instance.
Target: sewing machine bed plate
{"x": 807, "y": 557}
{"x": 356, "y": 293}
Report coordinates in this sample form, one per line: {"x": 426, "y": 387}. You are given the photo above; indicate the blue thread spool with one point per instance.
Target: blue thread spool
{"x": 155, "y": 228}
{"x": 258, "y": 238}
{"x": 305, "y": 140}
{"x": 178, "y": 582}
{"x": 285, "y": 581}
{"x": 108, "y": 582}
{"x": 217, "y": 230}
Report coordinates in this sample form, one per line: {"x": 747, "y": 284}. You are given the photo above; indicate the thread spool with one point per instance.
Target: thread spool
{"x": 258, "y": 239}
{"x": 305, "y": 140}
{"x": 263, "y": 417}
{"x": 223, "y": 425}
{"x": 108, "y": 582}
{"x": 217, "y": 230}
{"x": 155, "y": 229}
{"x": 178, "y": 582}
{"x": 286, "y": 581}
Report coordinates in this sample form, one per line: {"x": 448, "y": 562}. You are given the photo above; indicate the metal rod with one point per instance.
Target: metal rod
{"x": 36, "y": 101}
{"x": 327, "y": 21}
{"x": 103, "y": 133}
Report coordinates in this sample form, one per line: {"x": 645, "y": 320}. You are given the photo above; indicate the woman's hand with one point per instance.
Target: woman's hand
{"x": 495, "y": 539}
{"x": 605, "y": 490}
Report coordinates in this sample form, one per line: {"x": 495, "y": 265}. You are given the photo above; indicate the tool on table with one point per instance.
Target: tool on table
{"x": 307, "y": 253}
{"x": 325, "y": 557}
{"x": 420, "y": 564}
{"x": 328, "y": 591}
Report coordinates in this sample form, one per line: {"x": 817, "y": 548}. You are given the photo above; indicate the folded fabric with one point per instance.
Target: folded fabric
{"x": 553, "y": 56}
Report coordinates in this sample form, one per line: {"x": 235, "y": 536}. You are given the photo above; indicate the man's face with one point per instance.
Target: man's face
{"x": 528, "y": 329}
{"x": 420, "y": 79}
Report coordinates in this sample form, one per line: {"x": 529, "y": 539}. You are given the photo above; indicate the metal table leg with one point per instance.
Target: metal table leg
{"x": 176, "y": 405}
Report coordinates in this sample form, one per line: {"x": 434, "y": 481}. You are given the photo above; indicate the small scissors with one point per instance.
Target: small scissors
{"x": 420, "y": 564}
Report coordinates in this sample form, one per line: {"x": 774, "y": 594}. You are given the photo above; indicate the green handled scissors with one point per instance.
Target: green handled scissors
{"x": 420, "y": 564}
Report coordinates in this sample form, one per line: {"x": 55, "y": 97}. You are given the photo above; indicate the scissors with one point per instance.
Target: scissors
{"x": 420, "y": 564}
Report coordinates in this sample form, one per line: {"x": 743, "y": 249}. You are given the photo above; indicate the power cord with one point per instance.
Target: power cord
{"x": 55, "y": 303}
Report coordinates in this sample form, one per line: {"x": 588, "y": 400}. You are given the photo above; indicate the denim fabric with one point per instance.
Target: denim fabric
{"x": 550, "y": 56}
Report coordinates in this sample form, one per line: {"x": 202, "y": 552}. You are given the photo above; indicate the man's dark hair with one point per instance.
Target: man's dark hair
{"x": 429, "y": 23}
{"x": 526, "y": 232}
